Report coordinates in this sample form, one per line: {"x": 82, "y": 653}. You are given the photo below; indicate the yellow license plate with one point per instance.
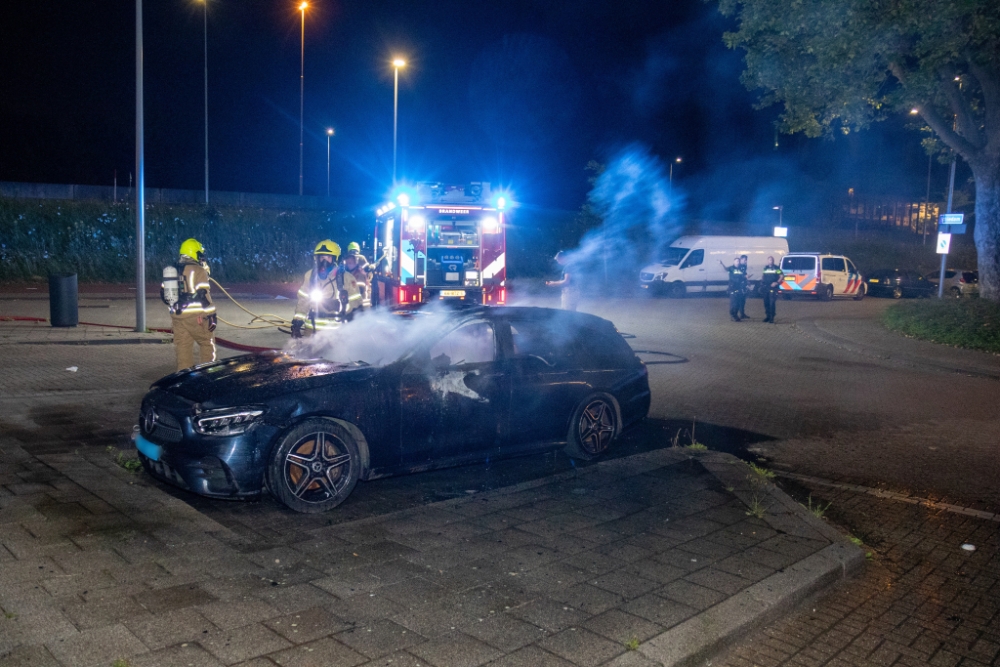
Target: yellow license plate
{"x": 453, "y": 292}
{"x": 873, "y": 280}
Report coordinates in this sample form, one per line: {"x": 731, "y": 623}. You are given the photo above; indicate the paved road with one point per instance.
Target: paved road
{"x": 825, "y": 394}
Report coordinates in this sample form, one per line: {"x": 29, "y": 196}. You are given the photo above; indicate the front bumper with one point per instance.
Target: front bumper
{"x": 219, "y": 467}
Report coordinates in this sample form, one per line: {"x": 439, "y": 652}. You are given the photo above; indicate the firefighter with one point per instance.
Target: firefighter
{"x": 570, "y": 296}
{"x": 737, "y": 287}
{"x": 319, "y": 299}
{"x": 770, "y": 284}
{"x": 357, "y": 265}
{"x": 193, "y": 315}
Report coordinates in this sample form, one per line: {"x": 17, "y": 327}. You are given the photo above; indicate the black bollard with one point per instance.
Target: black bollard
{"x": 63, "y": 311}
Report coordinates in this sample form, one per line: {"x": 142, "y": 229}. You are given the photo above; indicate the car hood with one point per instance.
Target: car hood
{"x": 657, "y": 268}
{"x": 256, "y": 378}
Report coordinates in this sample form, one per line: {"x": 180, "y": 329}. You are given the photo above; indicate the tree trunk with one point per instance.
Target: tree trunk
{"x": 987, "y": 237}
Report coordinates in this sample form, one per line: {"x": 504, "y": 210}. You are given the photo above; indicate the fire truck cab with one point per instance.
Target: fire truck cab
{"x": 443, "y": 242}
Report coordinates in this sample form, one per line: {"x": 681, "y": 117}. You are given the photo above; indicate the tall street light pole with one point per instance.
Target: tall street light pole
{"x": 302, "y": 90}
{"x": 140, "y": 180}
{"x": 329, "y": 133}
{"x": 397, "y": 63}
{"x": 205, "y": 4}
{"x": 676, "y": 161}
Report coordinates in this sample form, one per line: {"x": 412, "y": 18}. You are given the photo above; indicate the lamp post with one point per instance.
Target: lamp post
{"x": 329, "y": 133}
{"x": 677, "y": 160}
{"x": 397, "y": 64}
{"x": 302, "y": 89}
{"x": 205, "y": 5}
{"x": 780, "y": 208}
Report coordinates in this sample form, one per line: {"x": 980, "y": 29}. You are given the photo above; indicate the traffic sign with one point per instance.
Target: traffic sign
{"x": 951, "y": 219}
{"x": 943, "y": 243}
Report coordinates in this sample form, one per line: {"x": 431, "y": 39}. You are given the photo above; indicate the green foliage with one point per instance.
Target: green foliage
{"x": 123, "y": 460}
{"x": 96, "y": 240}
{"x": 632, "y": 643}
{"x": 760, "y": 471}
{"x": 969, "y": 323}
{"x": 756, "y": 508}
{"x": 818, "y": 509}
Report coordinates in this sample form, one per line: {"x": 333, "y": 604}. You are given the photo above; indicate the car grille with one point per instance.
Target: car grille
{"x": 645, "y": 276}
{"x": 165, "y": 426}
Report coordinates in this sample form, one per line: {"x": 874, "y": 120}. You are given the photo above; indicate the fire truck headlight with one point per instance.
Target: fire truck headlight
{"x": 316, "y": 296}
{"x": 491, "y": 225}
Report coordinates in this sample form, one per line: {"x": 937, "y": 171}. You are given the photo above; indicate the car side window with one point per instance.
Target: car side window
{"x": 949, "y": 274}
{"x": 694, "y": 259}
{"x": 556, "y": 347}
{"x": 833, "y": 264}
{"x": 850, "y": 267}
{"x": 472, "y": 343}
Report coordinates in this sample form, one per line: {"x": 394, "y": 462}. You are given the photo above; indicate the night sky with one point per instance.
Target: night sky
{"x": 517, "y": 92}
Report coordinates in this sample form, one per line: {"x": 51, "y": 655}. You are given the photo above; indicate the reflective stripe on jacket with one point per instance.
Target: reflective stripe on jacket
{"x": 193, "y": 278}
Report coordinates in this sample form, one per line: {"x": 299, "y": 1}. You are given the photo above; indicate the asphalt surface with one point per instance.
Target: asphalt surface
{"x": 825, "y": 394}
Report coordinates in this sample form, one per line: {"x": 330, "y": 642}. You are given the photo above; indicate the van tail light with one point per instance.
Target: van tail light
{"x": 819, "y": 275}
{"x": 503, "y": 295}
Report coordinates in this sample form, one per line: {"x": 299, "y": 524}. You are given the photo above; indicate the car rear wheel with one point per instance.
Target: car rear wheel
{"x": 956, "y": 292}
{"x": 314, "y": 467}
{"x": 826, "y": 293}
{"x": 594, "y": 426}
{"x": 897, "y": 292}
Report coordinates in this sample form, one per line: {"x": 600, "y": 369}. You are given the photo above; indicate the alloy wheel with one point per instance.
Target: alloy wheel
{"x": 317, "y": 467}
{"x": 597, "y": 426}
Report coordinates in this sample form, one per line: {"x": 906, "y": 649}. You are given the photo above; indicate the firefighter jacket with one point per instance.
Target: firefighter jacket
{"x": 318, "y": 298}
{"x": 195, "y": 299}
{"x": 737, "y": 278}
{"x": 362, "y": 281}
{"x": 772, "y": 274}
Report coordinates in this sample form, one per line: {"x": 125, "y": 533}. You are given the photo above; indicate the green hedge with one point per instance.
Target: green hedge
{"x": 969, "y": 323}
{"x": 96, "y": 240}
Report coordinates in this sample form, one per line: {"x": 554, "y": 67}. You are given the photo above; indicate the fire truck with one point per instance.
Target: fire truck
{"x": 440, "y": 241}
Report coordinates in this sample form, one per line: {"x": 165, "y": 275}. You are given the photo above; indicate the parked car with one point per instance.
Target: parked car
{"x": 898, "y": 283}
{"x": 481, "y": 382}
{"x": 821, "y": 275}
{"x": 958, "y": 283}
{"x": 690, "y": 265}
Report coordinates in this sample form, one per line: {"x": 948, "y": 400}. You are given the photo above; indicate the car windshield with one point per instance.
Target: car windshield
{"x": 672, "y": 256}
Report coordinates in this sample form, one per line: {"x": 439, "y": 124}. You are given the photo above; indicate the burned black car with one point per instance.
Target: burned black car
{"x": 473, "y": 384}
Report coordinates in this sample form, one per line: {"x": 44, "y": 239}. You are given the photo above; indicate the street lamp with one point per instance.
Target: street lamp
{"x": 205, "y": 5}
{"x": 302, "y": 89}
{"x": 780, "y": 209}
{"x": 329, "y": 133}
{"x": 397, "y": 64}
{"x": 676, "y": 161}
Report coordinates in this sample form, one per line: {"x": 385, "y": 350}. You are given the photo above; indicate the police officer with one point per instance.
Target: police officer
{"x": 746, "y": 287}
{"x": 319, "y": 298}
{"x": 737, "y": 287}
{"x": 770, "y": 284}
{"x": 357, "y": 265}
{"x": 193, "y": 316}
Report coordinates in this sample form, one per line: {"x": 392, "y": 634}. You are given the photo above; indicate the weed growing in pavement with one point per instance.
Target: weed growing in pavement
{"x": 761, "y": 471}
{"x": 855, "y": 541}
{"x": 11, "y": 616}
{"x": 817, "y": 510}
{"x": 693, "y": 444}
{"x": 123, "y": 460}
{"x": 120, "y": 662}
{"x": 632, "y": 643}
{"x": 756, "y": 508}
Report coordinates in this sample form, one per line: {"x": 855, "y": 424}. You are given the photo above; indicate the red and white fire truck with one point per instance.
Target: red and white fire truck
{"x": 443, "y": 242}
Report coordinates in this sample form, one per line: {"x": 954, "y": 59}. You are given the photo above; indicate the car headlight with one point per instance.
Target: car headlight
{"x": 662, "y": 275}
{"x": 229, "y": 421}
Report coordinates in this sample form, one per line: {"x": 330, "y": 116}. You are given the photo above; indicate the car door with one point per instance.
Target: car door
{"x": 454, "y": 396}
{"x": 854, "y": 279}
{"x": 693, "y": 271}
{"x": 546, "y": 382}
{"x": 835, "y": 273}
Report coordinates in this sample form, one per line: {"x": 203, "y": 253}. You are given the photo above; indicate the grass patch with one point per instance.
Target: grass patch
{"x": 632, "y": 643}
{"x": 124, "y": 460}
{"x": 817, "y": 509}
{"x": 970, "y": 323}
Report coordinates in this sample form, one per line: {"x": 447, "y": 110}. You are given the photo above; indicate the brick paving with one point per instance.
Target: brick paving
{"x": 921, "y": 600}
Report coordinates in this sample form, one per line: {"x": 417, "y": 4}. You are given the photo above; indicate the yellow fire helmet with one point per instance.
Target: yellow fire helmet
{"x": 353, "y": 247}
{"x": 194, "y": 249}
{"x": 327, "y": 247}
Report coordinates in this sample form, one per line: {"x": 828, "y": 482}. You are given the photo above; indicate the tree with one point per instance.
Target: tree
{"x": 839, "y": 65}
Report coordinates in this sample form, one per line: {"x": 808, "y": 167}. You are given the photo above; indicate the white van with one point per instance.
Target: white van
{"x": 696, "y": 264}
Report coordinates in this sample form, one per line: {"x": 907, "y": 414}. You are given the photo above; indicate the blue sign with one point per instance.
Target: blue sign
{"x": 951, "y": 219}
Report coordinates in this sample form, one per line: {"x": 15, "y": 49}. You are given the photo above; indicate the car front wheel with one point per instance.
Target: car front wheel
{"x": 593, "y": 427}
{"x": 314, "y": 467}
{"x": 862, "y": 290}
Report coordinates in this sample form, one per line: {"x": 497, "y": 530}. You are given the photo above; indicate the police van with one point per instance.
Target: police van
{"x": 697, "y": 264}
{"x": 822, "y": 276}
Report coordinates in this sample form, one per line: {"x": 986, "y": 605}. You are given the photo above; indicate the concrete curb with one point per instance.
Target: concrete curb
{"x": 714, "y": 629}
{"x": 722, "y": 625}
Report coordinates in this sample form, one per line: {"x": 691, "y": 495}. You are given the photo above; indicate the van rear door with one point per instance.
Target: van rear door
{"x": 800, "y": 273}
